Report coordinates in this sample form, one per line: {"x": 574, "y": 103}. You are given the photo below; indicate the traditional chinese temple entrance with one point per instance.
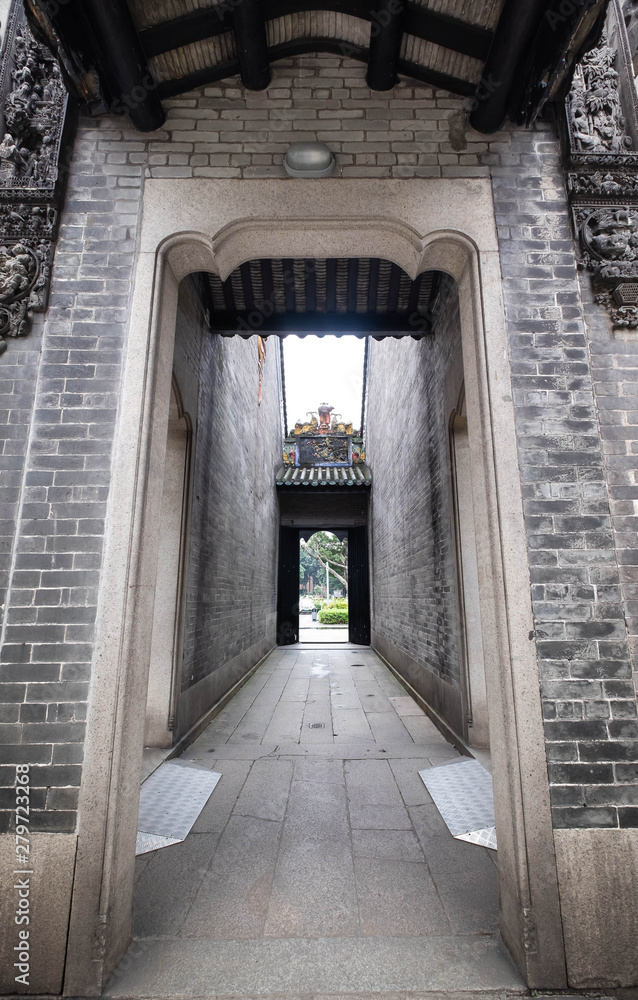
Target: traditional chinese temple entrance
{"x": 323, "y": 485}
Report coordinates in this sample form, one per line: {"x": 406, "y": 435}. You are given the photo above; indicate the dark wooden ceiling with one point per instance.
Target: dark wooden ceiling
{"x": 510, "y": 55}
{"x": 357, "y": 295}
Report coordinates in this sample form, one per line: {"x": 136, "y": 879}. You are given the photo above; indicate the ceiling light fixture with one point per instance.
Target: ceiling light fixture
{"x": 309, "y": 159}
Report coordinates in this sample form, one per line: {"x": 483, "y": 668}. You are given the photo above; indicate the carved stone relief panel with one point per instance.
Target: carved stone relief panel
{"x": 34, "y": 115}
{"x": 602, "y": 181}
{"x": 595, "y": 116}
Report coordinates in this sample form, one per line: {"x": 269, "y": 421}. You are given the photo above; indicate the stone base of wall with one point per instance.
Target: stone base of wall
{"x": 50, "y": 881}
{"x": 598, "y": 883}
{"x": 441, "y": 701}
{"x": 197, "y": 700}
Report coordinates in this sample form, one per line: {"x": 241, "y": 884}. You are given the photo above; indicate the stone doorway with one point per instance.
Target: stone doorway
{"x": 289, "y": 611}
{"x": 424, "y": 228}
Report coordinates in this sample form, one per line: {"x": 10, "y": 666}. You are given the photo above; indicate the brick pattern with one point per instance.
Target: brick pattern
{"x": 588, "y": 696}
{"x": 225, "y": 131}
{"x": 60, "y": 501}
{"x": 50, "y": 614}
{"x": 231, "y": 590}
{"x": 614, "y": 366}
{"x": 413, "y": 587}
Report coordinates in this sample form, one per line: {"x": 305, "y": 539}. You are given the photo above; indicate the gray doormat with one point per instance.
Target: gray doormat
{"x": 463, "y": 795}
{"x": 171, "y": 799}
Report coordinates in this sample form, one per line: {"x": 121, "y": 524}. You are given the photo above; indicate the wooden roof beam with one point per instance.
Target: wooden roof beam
{"x": 515, "y": 32}
{"x": 98, "y": 37}
{"x": 535, "y": 46}
{"x": 249, "y": 28}
{"x": 386, "y": 35}
{"x": 206, "y": 22}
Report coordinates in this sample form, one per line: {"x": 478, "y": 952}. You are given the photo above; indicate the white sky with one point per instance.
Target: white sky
{"x": 323, "y": 370}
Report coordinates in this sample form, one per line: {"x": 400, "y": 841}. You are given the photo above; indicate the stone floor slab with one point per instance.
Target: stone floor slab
{"x": 169, "y": 883}
{"x": 398, "y": 898}
{"x": 387, "y": 845}
{"x": 313, "y": 892}
{"x": 319, "y": 868}
{"x": 233, "y": 896}
{"x": 189, "y": 968}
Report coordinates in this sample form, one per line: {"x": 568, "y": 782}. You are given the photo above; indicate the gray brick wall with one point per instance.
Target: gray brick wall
{"x": 407, "y": 448}
{"x": 586, "y": 680}
{"x": 614, "y": 366}
{"x": 231, "y": 592}
{"x": 60, "y": 501}
{"x": 51, "y": 605}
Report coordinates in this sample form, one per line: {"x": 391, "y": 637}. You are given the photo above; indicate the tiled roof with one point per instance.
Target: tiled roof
{"x": 355, "y": 475}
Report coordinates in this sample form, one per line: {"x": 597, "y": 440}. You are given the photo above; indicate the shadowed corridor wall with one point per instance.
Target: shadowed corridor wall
{"x": 230, "y": 593}
{"x": 412, "y": 389}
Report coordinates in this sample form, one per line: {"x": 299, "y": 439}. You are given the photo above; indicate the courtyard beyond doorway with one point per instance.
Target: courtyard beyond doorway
{"x": 320, "y": 863}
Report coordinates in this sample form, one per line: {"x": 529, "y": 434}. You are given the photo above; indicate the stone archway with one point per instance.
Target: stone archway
{"x": 214, "y": 226}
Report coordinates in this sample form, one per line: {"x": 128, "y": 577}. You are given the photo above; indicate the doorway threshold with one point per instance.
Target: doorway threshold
{"x": 336, "y": 646}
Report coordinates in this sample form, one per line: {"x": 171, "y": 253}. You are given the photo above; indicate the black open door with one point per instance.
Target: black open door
{"x": 358, "y": 587}
{"x": 288, "y": 587}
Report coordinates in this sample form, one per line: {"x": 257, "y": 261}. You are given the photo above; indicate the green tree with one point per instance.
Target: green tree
{"x": 309, "y": 566}
{"x": 324, "y": 547}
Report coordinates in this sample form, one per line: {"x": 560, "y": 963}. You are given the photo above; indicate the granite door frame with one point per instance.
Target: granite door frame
{"x": 192, "y": 225}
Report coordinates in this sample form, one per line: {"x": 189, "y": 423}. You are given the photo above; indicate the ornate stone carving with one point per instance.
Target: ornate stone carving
{"x": 33, "y": 105}
{"x": 34, "y": 109}
{"x": 323, "y": 450}
{"x": 594, "y": 113}
{"x": 24, "y": 283}
{"x": 610, "y": 241}
{"x": 28, "y": 220}
{"x": 602, "y": 182}
{"x": 622, "y": 316}
{"x": 614, "y": 183}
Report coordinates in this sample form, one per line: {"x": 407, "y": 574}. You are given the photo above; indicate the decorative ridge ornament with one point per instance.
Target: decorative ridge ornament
{"x": 602, "y": 183}
{"x": 33, "y": 109}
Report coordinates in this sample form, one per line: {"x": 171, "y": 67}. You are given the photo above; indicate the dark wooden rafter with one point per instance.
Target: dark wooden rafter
{"x": 527, "y": 61}
{"x": 564, "y": 35}
{"x": 515, "y": 32}
{"x": 468, "y": 39}
{"x": 301, "y": 46}
{"x": 535, "y": 46}
{"x": 360, "y": 296}
{"x": 386, "y": 35}
{"x": 100, "y": 34}
{"x": 249, "y": 28}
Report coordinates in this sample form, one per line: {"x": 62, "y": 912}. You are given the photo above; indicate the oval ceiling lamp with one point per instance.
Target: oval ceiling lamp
{"x": 309, "y": 159}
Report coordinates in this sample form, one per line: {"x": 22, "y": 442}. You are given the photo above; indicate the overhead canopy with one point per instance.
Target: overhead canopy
{"x": 511, "y": 55}
{"x": 357, "y": 295}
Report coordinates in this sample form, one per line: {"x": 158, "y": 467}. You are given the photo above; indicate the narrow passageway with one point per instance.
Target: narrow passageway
{"x": 320, "y": 863}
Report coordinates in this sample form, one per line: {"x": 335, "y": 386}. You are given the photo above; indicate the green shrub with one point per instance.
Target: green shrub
{"x": 333, "y": 616}
{"x": 336, "y": 602}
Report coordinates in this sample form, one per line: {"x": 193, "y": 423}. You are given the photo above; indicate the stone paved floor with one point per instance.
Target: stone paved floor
{"x": 320, "y": 864}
